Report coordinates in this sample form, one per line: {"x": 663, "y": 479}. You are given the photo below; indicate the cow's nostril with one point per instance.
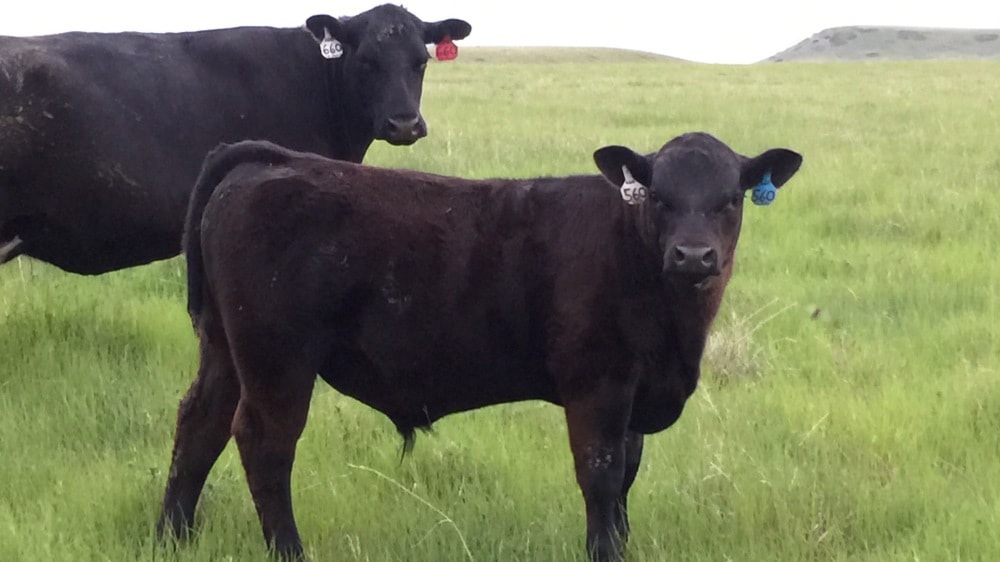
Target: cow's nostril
{"x": 406, "y": 124}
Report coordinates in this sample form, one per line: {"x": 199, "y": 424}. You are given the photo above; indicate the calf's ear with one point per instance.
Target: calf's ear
{"x": 322, "y": 25}
{"x": 610, "y": 160}
{"x": 780, "y": 162}
{"x": 434, "y": 32}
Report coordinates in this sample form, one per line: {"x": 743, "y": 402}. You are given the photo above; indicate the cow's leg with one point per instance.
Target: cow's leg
{"x": 633, "y": 456}
{"x": 597, "y": 425}
{"x": 269, "y": 420}
{"x": 8, "y": 249}
{"x": 204, "y": 419}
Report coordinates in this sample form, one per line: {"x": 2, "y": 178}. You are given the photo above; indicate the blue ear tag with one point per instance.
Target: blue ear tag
{"x": 764, "y": 192}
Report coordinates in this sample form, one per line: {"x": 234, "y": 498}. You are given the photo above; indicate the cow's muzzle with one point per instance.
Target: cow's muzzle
{"x": 404, "y": 130}
{"x": 701, "y": 261}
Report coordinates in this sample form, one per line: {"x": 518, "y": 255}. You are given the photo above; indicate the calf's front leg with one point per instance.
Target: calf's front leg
{"x": 597, "y": 425}
{"x": 633, "y": 457}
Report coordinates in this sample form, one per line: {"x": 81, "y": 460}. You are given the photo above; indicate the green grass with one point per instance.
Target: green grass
{"x": 849, "y": 411}
{"x": 546, "y": 55}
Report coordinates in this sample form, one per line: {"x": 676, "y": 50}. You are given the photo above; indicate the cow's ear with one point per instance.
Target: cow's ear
{"x": 780, "y": 162}
{"x": 611, "y": 159}
{"x": 323, "y": 25}
{"x": 434, "y": 32}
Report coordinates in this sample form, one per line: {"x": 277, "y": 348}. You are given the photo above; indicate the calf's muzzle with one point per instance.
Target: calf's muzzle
{"x": 693, "y": 260}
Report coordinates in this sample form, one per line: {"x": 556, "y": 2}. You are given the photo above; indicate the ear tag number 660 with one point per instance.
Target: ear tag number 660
{"x": 329, "y": 47}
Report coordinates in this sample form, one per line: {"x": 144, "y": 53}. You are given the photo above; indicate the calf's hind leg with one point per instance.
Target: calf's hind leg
{"x": 204, "y": 419}
{"x": 269, "y": 420}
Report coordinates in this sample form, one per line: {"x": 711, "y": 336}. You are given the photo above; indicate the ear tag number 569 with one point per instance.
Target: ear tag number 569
{"x": 633, "y": 192}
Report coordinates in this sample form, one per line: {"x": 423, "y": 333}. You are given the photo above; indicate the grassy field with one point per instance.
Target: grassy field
{"x": 849, "y": 411}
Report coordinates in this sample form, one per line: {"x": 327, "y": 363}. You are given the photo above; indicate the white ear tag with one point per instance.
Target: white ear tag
{"x": 633, "y": 192}
{"x": 329, "y": 47}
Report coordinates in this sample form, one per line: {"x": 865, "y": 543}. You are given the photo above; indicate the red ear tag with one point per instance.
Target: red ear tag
{"x": 446, "y": 50}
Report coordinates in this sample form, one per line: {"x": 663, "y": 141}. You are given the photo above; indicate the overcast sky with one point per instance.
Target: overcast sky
{"x": 723, "y": 31}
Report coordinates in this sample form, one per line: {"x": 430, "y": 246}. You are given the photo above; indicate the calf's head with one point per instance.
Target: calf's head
{"x": 384, "y": 55}
{"x": 691, "y": 196}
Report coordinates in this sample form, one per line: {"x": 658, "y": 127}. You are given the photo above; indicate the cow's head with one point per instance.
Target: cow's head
{"x": 384, "y": 55}
{"x": 695, "y": 188}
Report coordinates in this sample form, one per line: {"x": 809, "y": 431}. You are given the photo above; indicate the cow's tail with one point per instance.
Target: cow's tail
{"x": 219, "y": 162}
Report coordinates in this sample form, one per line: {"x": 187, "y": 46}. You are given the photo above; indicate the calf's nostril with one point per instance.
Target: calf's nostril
{"x": 678, "y": 255}
{"x": 708, "y": 259}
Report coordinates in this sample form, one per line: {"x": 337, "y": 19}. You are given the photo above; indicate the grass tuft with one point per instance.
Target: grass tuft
{"x": 731, "y": 353}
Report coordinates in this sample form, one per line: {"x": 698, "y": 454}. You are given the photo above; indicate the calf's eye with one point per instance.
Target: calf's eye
{"x": 733, "y": 203}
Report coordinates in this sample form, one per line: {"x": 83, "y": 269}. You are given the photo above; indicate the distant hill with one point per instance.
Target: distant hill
{"x": 894, "y": 43}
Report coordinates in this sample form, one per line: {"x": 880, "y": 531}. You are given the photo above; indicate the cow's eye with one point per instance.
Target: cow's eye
{"x": 420, "y": 66}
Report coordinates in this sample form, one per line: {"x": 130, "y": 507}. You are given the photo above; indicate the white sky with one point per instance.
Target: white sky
{"x": 723, "y": 31}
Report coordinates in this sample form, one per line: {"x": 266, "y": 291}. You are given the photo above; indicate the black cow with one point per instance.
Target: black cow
{"x": 102, "y": 135}
{"x": 423, "y": 295}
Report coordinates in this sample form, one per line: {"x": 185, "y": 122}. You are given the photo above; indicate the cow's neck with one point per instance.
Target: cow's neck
{"x": 350, "y": 136}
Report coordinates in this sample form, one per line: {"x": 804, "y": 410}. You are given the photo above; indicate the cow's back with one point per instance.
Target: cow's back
{"x": 151, "y": 105}
{"x": 113, "y": 127}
